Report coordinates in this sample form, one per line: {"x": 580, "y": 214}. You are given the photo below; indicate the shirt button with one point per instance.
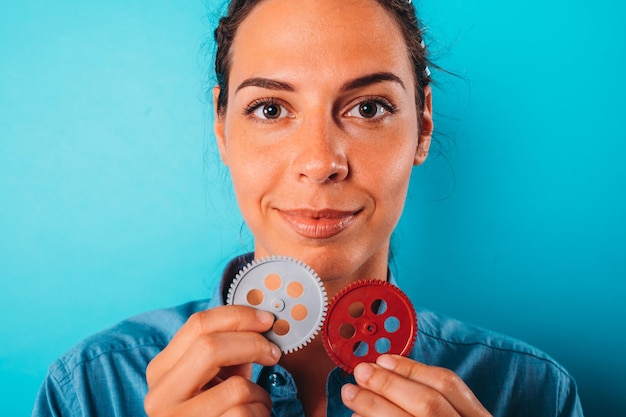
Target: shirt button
{"x": 276, "y": 380}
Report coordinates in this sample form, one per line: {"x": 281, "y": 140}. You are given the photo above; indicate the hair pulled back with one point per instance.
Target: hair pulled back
{"x": 402, "y": 11}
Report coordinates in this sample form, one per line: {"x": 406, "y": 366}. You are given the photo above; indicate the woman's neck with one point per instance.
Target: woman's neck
{"x": 309, "y": 368}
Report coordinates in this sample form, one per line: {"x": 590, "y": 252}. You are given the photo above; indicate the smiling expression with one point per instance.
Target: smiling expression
{"x": 321, "y": 132}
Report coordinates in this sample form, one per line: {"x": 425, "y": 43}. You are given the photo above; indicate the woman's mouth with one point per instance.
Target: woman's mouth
{"x": 318, "y": 224}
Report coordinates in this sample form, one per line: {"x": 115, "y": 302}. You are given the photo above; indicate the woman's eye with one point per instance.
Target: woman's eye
{"x": 270, "y": 111}
{"x": 369, "y": 110}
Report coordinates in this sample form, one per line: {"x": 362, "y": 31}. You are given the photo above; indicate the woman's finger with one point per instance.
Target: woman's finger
{"x": 205, "y": 358}
{"x": 367, "y": 403}
{"x": 235, "y": 394}
{"x": 442, "y": 380}
{"x": 219, "y": 319}
{"x": 419, "y": 389}
{"x": 412, "y": 398}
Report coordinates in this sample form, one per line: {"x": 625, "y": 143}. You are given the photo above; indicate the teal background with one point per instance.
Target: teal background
{"x": 112, "y": 200}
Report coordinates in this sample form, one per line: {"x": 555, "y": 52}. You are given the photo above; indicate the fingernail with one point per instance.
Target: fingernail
{"x": 265, "y": 317}
{"x": 363, "y": 371}
{"x": 276, "y": 352}
{"x": 387, "y": 362}
{"x": 348, "y": 392}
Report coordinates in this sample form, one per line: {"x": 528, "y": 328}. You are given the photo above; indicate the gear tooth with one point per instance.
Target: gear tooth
{"x": 231, "y": 288}
{"x": 229, "y": 296}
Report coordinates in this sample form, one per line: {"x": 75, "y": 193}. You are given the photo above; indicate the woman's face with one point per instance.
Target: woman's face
{"x": 321, "y": 132}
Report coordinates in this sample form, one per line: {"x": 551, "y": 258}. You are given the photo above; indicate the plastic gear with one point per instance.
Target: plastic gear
{"x": 290, "y": 290}
{"x": 367, "y": 319}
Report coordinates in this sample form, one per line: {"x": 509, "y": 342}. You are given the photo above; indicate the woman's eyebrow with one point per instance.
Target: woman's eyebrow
{"x": 266, "y": 83}
{"x": 370, "y": 79}
{"x": 360, "y": 82}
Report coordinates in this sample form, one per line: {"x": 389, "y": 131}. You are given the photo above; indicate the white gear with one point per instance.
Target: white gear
{"x": 290, "y": 290}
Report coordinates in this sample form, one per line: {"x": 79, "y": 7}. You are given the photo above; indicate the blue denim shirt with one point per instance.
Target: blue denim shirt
{"x": 104, "y": 375}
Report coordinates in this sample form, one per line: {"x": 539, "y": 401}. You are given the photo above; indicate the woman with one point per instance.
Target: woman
{"x": 322, "y": 109}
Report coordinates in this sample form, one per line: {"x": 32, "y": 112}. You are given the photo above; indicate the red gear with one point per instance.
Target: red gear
{"x": 367, "y": 319}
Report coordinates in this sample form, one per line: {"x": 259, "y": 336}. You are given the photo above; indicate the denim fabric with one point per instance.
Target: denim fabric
{"x": 105, "y": 374}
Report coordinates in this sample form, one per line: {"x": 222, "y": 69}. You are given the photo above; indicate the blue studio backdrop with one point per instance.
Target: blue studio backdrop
{"x": 113, "y": 201}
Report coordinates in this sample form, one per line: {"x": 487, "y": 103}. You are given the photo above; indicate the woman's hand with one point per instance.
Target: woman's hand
{"x": 206, "y": 368}
{"x": 398, "y": 386}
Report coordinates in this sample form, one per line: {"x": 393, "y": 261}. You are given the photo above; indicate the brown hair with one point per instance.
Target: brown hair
{"x": 402, "y": 11}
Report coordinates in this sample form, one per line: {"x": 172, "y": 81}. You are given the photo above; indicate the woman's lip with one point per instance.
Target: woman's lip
{"x": 318, "y": 224}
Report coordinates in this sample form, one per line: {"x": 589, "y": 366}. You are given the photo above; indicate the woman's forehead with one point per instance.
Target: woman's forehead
{"x": 318, "y": 35}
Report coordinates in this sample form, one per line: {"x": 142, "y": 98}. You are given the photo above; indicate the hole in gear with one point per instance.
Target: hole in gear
{"x": 392, "y": 324}
{"x": 299, "y": 312}
{"x": 379, "y": 307}
{"x": 254, "y": 297}
{"x": 356, "y": 310}
{"x": 273, "y": 282}
{"x": 281, "y": 327}
{"x": 347, "y": 331}
{"x": 360, "y": 349}
{"x": 382, "y": 345}
{"x": 295, "y": 289}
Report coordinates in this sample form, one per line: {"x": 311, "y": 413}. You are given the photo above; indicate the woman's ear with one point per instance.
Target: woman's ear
{"x": 218, "y": 126}
{"x": 426, "y": 128}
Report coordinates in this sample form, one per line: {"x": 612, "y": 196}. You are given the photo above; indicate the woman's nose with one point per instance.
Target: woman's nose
{"x": 321, "y": 154}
